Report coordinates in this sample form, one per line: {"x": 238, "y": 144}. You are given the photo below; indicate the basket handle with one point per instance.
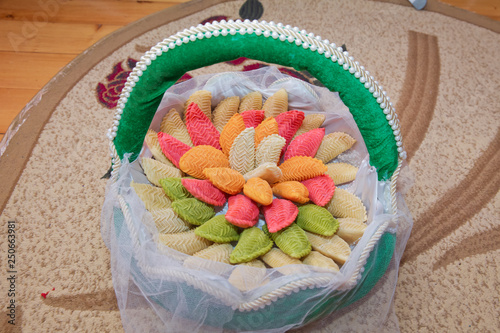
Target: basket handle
{"x": 216, "y": 42}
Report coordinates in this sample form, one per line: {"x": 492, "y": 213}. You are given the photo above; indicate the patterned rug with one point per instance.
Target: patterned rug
{"x": 440, "y": 68}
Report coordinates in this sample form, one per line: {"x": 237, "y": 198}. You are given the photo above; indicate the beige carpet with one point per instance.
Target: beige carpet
{"x": 440, "y": 71}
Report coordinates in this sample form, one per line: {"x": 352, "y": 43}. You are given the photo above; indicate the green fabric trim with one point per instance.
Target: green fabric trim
{"x": 169, "y": 67}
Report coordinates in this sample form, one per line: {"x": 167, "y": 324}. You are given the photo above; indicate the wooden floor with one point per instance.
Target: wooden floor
{"x": 39, "y": 37}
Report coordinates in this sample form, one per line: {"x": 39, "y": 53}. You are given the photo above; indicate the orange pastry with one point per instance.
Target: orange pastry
{"x": 301, "y": 168}
{"x": 199, "y": 158}
{"x": 292, "y": 190}
{"x": 268, "y": 127}
{"x": 259, "y": 191}
{"x": 225, "y": 179}
{"x": 231, "y": 130}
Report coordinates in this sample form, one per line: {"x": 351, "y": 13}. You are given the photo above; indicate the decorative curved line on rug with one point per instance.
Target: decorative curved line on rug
{"x": 471, "y": 246}
{"x": 98, "y": 301}
{"x": 458, "y": 205}
{"x": 455, "y": 208}
{"x": 18, "y": 320}
{"x": 415, "y": 107}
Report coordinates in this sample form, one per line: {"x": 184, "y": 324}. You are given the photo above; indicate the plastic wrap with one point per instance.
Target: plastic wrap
{"x": 161, "y": 290}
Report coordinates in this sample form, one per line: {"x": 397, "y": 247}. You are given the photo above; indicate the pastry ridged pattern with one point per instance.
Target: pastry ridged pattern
{"x": 205, "y": 191}
{"x": 321, "y": 189}
{"x": 310, "y": 122}
{"x": 199, "y": 158}
{"x": 153, "y": 197}
{"x": 279, "y": 214}
{"x": 242, "y": 211}
{"x": 276, "y": 104}
{"x": 203, "y": 99}
{"x": 218, "y": 230}
{"x": 231, "y": 130}
{"x": 156, "y": 170}
{"x": 172, "y": 148}
{"x": 174, "y": 189}
{"x": 225, "y": 179}
{"x": 259, "y": 191}
{"x": 315, "y": 258}
{"x": 193, "y": 211}
{"x": 201, "y": 130}
{"x": 173, "y": 125}
{"x": 350, "y": 229}
{"x": 291, "y": 240}
{"x": 301, "y": 168}
{"x": 270, "y": 149}
{"x": 249, "y": 275}
{"x": 215, "y": 252}
{"x": 276, "y": 258}
{"x": 251, "y": 101}
{"x": 242, "y": 152}
{"x": 151, "y": 140}
{"x": 317, "y": 219}
{"x": 167, "y": 221}
{"x": 333, "y": 246}
{"x": 268, "y": 171}
{"x": 334, "y": 144}
{"x": 267, "y": 127}
{"x": 252, "y": 244}
{"x": 341, "y": 173}
{"x": 186, "y": 242}
{"x": 306, "y": 144}
{"x": 253, "y": 118}
{"x": 289, "y": 123}
{"x": 292, "y": 190}
{"x": 224, "y": 111}
{"x": 346, "y": 204}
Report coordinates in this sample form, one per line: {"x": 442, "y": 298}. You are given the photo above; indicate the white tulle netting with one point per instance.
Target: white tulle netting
{"x": 159, "y": 291}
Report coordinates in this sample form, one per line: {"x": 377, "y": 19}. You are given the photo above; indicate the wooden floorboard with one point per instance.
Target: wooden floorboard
{"x": 39, "y": 37}
{"x": 30, "y": 70}
{"x": 76, "y": 37}
{"x": 81, "y": 11}
{"x": 489, "y": 8}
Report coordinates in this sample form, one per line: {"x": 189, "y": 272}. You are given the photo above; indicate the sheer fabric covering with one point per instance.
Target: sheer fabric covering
{"x": 158, "y": 292}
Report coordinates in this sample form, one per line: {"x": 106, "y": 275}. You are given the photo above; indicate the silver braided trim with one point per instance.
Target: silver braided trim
{"x": 116, "y": 162}
{"x": 287, "y": 289}
{"x": 394, "y": 184}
